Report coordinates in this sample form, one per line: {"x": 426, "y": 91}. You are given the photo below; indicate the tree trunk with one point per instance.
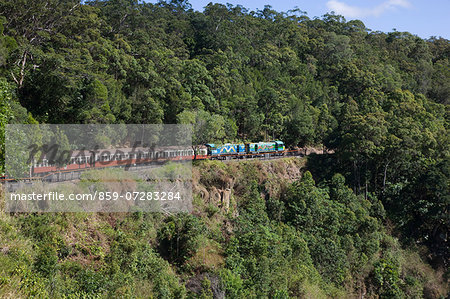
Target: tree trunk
{"x": 384, "y": 177}
{"x": 195, "y": 153}
{"x": 375, "y": 178}
{"x": 365, "y": 180}
{"x": 19, "y": 81}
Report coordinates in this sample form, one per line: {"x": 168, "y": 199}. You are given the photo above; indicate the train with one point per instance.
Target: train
{"x": 242, "y": 150}
{"x": 86, "y": 159}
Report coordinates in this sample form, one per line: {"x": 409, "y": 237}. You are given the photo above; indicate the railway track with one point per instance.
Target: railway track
{"x": 73, "y": 175}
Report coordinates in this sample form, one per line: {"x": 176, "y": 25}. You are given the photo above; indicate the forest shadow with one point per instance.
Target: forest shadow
{"x": 322, "y": 167}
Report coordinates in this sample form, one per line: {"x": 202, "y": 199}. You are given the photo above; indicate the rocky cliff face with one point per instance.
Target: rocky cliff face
{"x": 219, "y": 183}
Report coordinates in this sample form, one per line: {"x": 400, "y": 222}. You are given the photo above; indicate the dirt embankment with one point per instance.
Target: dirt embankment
{"x": 218, "y": 184}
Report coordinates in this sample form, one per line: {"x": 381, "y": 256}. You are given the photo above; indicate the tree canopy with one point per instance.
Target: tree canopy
{"x": 377, "y": 100}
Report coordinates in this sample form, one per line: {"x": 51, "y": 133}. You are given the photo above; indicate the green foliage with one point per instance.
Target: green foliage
{"x": 5, "y": 115}
{"x": 258, "y": 75}
{"x": 377, "y": 100}
{"x": 206, "y": 127}
{"x": 422, "y": 209}
{"x": 262, "y": 253}
{"x": 130, "y": 258}
{"x": 179, "y": 237}
{"x": 336, "y": 224}
{"x": 386, "y": 276}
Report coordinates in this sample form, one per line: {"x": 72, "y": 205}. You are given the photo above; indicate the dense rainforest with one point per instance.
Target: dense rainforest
{"x": 370, "y": 219}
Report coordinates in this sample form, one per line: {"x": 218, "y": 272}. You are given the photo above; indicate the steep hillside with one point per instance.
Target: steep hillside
{"x": 258, "y": 228}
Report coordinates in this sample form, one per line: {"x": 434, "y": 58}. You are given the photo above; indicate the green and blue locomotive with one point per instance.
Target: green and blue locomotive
{"x": 241, "y": 150}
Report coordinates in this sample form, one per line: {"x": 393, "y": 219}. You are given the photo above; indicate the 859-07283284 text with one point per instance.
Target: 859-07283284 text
{"x": 97, "y": 195}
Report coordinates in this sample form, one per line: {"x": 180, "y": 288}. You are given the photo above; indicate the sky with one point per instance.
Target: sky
{"x": 420, "y": 17}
